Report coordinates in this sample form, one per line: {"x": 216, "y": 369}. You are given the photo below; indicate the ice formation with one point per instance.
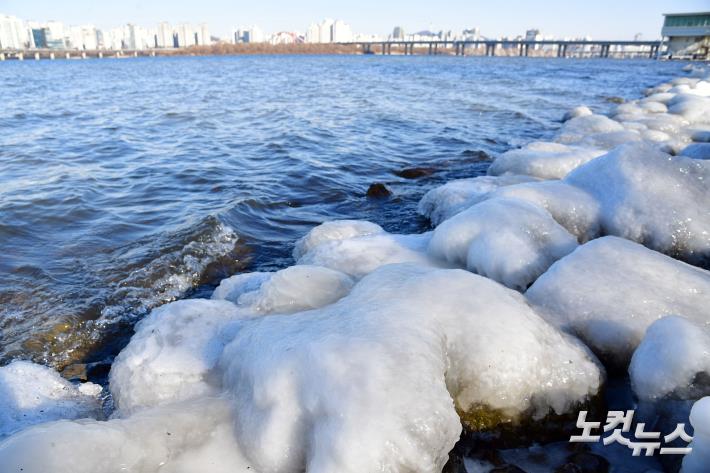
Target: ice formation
{"x": 571, "y": 207}
{"x": 32, "y": 394}
{"x": 542, "y": 159}
{"x": 334, "y": 231}
{"x": 652, "y": 198}
{"x": 506, "y": 239}
{"x": 698, "y": 459}
{"x": 453, "y": 197}
{"x": 373, "y": 382}
{"x": 171, "y": 354}
{"x": 188, "y": 437}
{"x": 673, "y": 358}
{"x": 360, "y": 255}
{"x": 293, "y": 289}
{"x": 610, "y": 290}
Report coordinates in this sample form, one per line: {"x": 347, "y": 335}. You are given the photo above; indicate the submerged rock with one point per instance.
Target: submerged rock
{"x": 415, "y": 173}
{"x": 378, "y": 191}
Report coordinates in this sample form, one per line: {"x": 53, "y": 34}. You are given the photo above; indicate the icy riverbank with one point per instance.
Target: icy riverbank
{"x": 572, "y": 259}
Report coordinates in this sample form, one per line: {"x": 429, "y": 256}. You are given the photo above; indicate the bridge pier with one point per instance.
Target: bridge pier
{"x": 527, "y": 50}
{"x": 101, "y": 55}
{"x": 67, "y": 55}
{"x": 51, "y": 56}
{"x": 2, "y": 56}
{"x": 20, "y": 57}
{"x": 83, "y": 54}
{"x": 36, "y": 56}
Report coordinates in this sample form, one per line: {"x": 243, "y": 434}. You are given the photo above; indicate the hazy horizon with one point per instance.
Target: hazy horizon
{"x": 605, "y": 19}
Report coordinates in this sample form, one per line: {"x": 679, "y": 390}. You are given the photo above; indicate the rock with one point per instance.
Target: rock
{"x": 75, "y": 372}
{"x": 378, "y": 191}
{"x": 614, "y": 99}
{"x": 414, "y": 173}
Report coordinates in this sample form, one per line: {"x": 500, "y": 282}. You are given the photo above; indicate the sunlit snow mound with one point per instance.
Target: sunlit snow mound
{"x": 610, "y": 290}
{"x": 542, "y": 159}
{"x": 31, "y": 394}
{"x": 673, "y": 359}
{"x": 374, "y": 382}
{"x": 293, "y": 289}
{"x": 506, "y": 239}
{"x": 456, "y": 196}
{"x": 650, "y": 197}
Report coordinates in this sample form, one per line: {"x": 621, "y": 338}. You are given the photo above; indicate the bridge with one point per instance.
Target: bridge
{"x": 37, "y": 54}
{"x": 485, "y": 47}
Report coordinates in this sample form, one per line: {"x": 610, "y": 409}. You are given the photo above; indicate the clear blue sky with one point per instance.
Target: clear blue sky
{"x": 602, "y": 19}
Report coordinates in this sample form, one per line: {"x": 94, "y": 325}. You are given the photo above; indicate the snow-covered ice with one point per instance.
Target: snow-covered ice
{"x": 542, "y": 159}
{"x": 610, "y": 290}
{"x": 650, "y": 197}
{"x": 673, "y": 353}
{"x": 506, "y": 239}
{"x": 456, "y": 196}
{"x": 375, "y": 381}
{"x": 32, "y": 394}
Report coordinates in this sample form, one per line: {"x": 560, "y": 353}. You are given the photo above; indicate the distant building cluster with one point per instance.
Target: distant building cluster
{"x": 18, "y": 34}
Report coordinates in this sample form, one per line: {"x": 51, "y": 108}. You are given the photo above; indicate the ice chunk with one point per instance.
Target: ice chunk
{"x": 366, "y": 384}
{"x": 580, "y": 111}
{"x": 234, "y": 287}
{"x": 189, "y": 437}
{"x": 297, "y": 288}
{"x": 455, "y": 196}
{"x": 577, "y": 129}
{"x": 32, "y": 393}
{"x": 171, "y": 354}
{"x": 611, "y": 139}
{"x": 652, "y": 198}
{"x": 693, "y": 108}
{"x": 542, "y": 159}
{"x": 506, "y": 239}
{"x": 673, "y": 353}
{"x": 698, "y": 459}
{"x": 570, "y": 206}
{"x": 359, "y": 256}
{"x": 697, "y": 151}
{"x": 333, "y": 231}
{"x": 610, "y": 290}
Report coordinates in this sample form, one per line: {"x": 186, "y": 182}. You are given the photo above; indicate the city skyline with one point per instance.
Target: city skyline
{"x": 602, "y": 20}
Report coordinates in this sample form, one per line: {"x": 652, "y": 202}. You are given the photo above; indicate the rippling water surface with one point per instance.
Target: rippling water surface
{"x": 125, "y": 184}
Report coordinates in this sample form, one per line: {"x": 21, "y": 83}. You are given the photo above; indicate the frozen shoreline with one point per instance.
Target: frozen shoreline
{"x": 365, "y": 355}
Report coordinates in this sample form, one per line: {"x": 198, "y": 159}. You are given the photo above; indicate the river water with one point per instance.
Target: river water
{"x": 128, "y": 183}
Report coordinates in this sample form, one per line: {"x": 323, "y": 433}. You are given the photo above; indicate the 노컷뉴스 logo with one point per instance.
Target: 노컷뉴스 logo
{"x": 617, "y": 429}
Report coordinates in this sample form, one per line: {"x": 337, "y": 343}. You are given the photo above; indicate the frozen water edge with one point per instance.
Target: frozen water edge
{"x": 370, "y": 353}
